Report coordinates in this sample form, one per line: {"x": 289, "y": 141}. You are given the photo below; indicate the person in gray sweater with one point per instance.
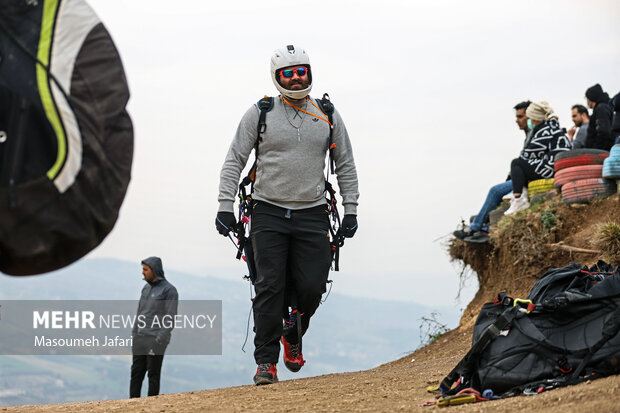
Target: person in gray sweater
{"x": 150, "y": 334}
{"x": 579, "y": 131}
{"x": 290, "y": 223}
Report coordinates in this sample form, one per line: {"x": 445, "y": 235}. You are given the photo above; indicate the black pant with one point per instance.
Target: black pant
{"x": 521, "y": 173}
{"x": 291, "y": 252}
{"x": 147, "y": 356}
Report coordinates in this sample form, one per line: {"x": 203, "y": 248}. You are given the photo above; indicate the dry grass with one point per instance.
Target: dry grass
{"x": 608, "y": 240}
{"x": 520, "y": 249}
{"x": 526, "y": 234}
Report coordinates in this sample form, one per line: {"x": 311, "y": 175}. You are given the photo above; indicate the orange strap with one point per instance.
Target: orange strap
{"x": 309, "y": 113}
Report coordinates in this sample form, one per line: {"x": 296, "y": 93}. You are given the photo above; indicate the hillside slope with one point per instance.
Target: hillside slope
{"x": 521, "y": 249}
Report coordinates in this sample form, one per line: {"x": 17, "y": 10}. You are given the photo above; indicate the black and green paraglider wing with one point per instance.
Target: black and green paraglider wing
{"x": 66, "y": 139}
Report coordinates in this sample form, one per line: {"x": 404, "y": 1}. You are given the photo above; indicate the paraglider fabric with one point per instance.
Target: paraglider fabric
{"x": 66, "y": 139}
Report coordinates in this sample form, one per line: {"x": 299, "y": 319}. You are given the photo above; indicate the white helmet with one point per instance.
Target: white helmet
{"x": 286, "y": 57}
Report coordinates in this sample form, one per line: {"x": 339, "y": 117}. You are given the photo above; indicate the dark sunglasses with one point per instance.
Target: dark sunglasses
{"x": 288, "y": 73}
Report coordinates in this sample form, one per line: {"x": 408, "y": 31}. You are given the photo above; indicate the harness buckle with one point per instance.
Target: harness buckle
{"x": 565, "y": 366}
{"x": 528, "y": 308}
{"x": 503, "y": 299}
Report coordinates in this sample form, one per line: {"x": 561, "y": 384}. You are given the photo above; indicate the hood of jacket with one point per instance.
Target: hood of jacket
{"x": 156, "y": 266}
{"x": 596, "y": 94}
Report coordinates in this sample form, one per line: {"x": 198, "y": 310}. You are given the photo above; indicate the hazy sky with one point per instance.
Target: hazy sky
{"x": 426, "y": 90}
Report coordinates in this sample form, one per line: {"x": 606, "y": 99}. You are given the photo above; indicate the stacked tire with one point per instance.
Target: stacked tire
{"x": 579, "y": 175}
{"x": 541, "y": 189}
{"x": 611, "y": 166}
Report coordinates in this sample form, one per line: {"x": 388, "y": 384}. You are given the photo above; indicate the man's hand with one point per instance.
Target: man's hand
{"x": 349, "y": 225}
{"x": 571, "y": 133}
{"x": 225, "y": 222}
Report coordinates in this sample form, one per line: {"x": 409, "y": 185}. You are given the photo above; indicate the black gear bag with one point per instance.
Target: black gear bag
{"x": 565, "y": 332}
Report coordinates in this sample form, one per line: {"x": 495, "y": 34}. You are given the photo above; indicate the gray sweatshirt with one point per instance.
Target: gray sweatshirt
{"x": 579, "y": 140}
{"x": 291, "y": 165}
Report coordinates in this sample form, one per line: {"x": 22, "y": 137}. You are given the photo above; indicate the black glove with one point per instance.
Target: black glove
{"x": 225, "y": 222}
{"x": 349, "y": 225}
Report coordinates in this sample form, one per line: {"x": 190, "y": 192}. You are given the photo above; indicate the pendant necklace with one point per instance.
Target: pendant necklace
{"x": 296, "y": 114}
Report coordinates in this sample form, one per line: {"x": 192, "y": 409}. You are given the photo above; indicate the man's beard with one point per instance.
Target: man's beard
{"x": 298, "y": 82}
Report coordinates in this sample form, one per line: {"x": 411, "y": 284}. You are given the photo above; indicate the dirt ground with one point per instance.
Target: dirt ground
{"x": 396, "y": 386}
{"x": 401, "y": 385}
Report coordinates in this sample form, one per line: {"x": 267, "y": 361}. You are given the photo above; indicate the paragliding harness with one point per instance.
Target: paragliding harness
{"x": 564, "y": 333}
{"x": 244, "y": 245}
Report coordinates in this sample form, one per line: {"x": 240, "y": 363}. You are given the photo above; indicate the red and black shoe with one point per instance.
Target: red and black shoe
{"x": 293, "y": 359}
{"x": 266, "y": 373}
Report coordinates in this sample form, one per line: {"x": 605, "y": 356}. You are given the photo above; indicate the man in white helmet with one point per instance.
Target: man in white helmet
{"x": 290, "y": 223}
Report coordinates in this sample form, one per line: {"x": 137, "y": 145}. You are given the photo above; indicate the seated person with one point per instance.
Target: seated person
{"x": 478, "y": 231}
{"x": 615, "y": 125}
{"x": 599, "y": 131}
{"x": 579, "y": 131}
{"x": 538, "y": 155}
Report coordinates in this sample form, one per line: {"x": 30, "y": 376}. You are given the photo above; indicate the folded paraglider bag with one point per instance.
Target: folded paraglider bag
{"x": 565, "y": 331}
{"x": 66, "y": 140}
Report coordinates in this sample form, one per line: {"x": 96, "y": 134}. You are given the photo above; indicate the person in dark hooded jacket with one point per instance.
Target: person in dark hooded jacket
{"x": 150, "y": 335}
{"x": 615, "y": 125}
{"x": 599, "y": 131}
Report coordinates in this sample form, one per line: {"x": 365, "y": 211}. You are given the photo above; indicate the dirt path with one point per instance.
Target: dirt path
{"x": 401, "y": 385}
{"x": 397, "y": 386}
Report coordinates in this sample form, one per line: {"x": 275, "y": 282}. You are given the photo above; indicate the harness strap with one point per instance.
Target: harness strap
{"x": 465, "y": 365}
{"x": 265, "y": 105}
{"x": 327, "y": 107}
{"x": 245, "y": 199}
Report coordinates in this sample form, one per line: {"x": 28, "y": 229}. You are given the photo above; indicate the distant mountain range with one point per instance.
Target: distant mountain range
{"x": 346, "y": 334}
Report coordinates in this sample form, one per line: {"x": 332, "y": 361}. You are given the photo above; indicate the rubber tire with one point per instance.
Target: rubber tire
{"x": 611, "y": 168}
{"x": 585, "y": 190}
{"x": 540, "y": 186}
{"x": 575, "y": 173}
{"x": 579, "y": 152}
{"x": 615, "y": 151}
{"x": 597, "y": 159}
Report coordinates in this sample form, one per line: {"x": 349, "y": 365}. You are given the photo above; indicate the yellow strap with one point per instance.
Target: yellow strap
{"x": 455, "y": 400}
{"x": 522, "y": 301}
{"x": 50, "y": 7}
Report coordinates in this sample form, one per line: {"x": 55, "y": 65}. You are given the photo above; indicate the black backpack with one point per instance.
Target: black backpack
{"x": 565, "y": 332}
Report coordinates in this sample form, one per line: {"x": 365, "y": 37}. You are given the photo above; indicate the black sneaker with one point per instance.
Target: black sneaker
{"x": 266, "y": 373}
{"x": 478, "y": 237}
{"x": 463, "y": 233}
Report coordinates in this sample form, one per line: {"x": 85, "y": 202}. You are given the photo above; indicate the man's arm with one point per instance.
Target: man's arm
{"x": 580, "y": 137}
{"x": 134, "y": 330}
{"x": 236, "y": 159}
{"x": 345, "y": 166}
{"x": 170, "y": 310}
